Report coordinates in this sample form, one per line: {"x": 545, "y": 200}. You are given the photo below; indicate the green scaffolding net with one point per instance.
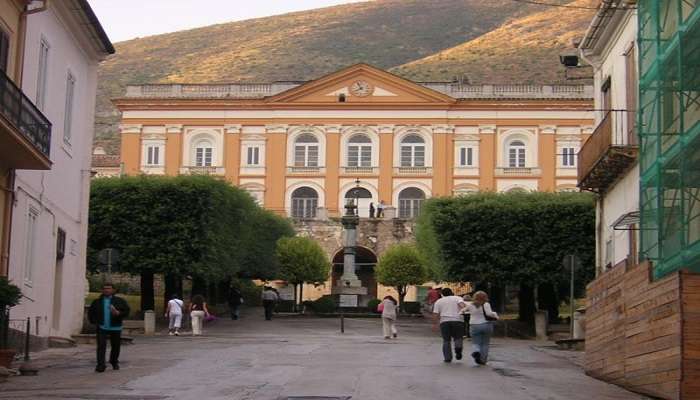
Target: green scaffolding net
{"x": 669, "y": 130}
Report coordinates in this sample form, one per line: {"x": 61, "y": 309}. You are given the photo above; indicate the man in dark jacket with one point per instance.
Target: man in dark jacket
{"x": 234, "y": 302}
{"x": 107, "y": 312}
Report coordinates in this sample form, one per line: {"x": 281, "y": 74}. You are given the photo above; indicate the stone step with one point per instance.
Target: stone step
{"x": 61, "y": 342}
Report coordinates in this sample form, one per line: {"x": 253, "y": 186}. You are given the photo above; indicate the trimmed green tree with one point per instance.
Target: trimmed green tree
{"x": 512, "y": 238}
{"x": 301, "y": 260}
{"x": 194, "y": 226}
{"x": 401, "y": 266}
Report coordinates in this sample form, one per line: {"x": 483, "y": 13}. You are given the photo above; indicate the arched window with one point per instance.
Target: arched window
{"x": 306, "y": 151}
{"x": 410, "y": 201}
{"x": 516, "y": 154}
{"x": 203, "y": 153}
{"x": 364, "y": 198}
{"x": 413, "y": 151}
{"x": 360, "y": 151}
{"x": 304, "y": 203}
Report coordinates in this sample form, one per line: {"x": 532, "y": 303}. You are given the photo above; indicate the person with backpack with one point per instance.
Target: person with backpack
{"x": 448, "y": 310}
{"x": 174, "y": 314}
{"x": 389, "y": 307}
{"x": 481, "y": 326}
{"x": 107, "y": 312}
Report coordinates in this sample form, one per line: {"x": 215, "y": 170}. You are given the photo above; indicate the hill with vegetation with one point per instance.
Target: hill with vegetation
{"x": 524, "y": 50}
{"x": 306, "y": 45}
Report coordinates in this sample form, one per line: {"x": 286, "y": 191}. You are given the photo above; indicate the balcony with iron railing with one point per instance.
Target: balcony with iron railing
{"x": 25, "y": 133}
{"x": 609, "y": 153}
{"x": 305, "y": 170}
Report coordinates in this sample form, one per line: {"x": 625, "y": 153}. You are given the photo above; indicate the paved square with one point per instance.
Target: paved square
{"x": 307, "y": 358}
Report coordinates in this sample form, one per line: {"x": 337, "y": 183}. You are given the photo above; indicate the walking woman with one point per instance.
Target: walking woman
{"x": 198, "y": 310}
{"x": 481, "y": 326}
{"x": 389, "y": 308}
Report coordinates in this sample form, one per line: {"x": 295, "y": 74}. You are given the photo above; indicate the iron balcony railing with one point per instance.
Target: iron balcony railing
{"x": 19, "y": 111}
{"x": 608, "y": 153}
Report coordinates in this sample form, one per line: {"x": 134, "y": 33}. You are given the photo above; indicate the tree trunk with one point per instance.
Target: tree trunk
{"x": 171, "y": 288}
{"x": 402, "y": 294}
{"x": 548, "y": 299}
{"x": 497, "y": 298}
{"x": 301, "y": 296}
{"x": 199, "y": 286}
{"x": 147, "y": 293}
{"x": 526, "y": 303}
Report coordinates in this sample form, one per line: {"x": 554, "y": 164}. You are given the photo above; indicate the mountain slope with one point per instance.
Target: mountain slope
{"x": 525, "y": 50}
{"x": 298, "y": 46}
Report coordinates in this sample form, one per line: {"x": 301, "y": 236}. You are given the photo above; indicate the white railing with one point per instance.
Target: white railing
{"x": 360, "y": 170}
{"x": 456, "y": 90}
{"x": 517, "y": 171}
{"x": 305, "y": 170}
{"x": 413, "y": 170}
{"x": 194, "y": 170}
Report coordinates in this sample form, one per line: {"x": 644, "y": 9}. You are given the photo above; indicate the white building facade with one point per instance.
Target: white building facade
{"x": 64, "y": 45}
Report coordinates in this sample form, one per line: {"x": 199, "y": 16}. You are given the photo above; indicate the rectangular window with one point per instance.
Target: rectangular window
{"x": 203, "y": 157}
{"x": 466, "y": 157}
{"x": 153, "y": 155}
{"x": 516, "y": 158}
{"x": 68, "y": 115}
{"x": 419, "y": 156}
{"x": 253, "y": 156}
{"x": 208, "y": 156}
{"x": 359, "y": 156}
{"x": 353, "y": 156}
{"x": 43, "y": 73}
{"x": 568, "y": 157}
{"x": 30, "y": 245}
{"x": 312, "y": 156}
{"x": 4, "y": 50}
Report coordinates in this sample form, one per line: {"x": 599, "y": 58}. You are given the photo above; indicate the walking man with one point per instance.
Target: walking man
{"x": 269, "y": 298}
{"x": 448, "y": 309}
{"x": 380, "y": 209}
{"x": 107, "y": 312}
{"x": 174, "y": 314}
{"x": 234, "y": 302}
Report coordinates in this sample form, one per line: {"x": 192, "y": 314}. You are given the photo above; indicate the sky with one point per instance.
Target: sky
{"x": 128, "y": 19}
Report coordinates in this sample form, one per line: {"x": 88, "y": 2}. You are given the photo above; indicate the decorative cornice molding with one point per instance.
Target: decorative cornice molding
{"x": 465, "y": 137}
{"x": 153, "y": 136}
{"x": 443, "y": 129}
{"x": 487, "y": 129}
{"x": 176, "y": 128}
{"x": 277, "y": 128}
{"x": 548, "y": 129}
{"x": 233, "y": 128}
{"x": 587, "y": 130}
{"x": 130, "y": 128}
{"x": 386, "y": 128}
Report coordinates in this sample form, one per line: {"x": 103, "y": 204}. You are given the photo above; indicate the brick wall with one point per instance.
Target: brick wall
{"x": 644, "y": 335}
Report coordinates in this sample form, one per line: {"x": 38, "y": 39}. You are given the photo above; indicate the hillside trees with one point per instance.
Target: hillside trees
{"x": 186, "y": 226}
{"x": 511, "y": 238}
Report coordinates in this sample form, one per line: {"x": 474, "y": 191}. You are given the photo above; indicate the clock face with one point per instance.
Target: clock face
{"x": 361, "y": 88}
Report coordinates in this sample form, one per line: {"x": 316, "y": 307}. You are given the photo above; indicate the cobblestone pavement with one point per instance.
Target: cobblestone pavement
{"x": 298, "y": 358}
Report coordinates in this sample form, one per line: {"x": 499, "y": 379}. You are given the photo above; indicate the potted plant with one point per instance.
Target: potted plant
{"x": 9, "y": 297}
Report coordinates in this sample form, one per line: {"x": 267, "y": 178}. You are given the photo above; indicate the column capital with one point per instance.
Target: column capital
{"x": 174, "y": 128}
{"x": 587, "y": 130}
{"x": 130, "y": 128}
{"x": 548, "y": 129}
{"x": 386, "y": 128}
{"x": 276, "y": 128}
{"x": 332, "y": 128}
{"x": 233, "y": 128}
{"x": 443, "y": 129}
{"x": 487, "y": 129}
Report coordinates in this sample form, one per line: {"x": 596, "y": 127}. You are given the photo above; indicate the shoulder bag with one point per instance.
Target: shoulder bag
{"x": 486, "y": 316}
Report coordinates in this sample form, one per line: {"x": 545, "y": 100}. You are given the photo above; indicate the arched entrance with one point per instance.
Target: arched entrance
{"x": 364, "y": 197}
{"x": 365, "y": 261}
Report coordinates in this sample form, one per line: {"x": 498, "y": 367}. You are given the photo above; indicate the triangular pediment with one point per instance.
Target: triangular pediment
{"x": 361, "y": 84}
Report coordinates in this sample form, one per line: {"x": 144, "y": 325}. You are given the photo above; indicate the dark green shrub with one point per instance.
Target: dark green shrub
{"x": 372, "y": 305}
{"x": 9, "y": 294}
{"x": 307, "y": 305}
{"x": 324, "y": 305}
{"x": 411, "y": 307}
{"x": 285, "y": 306}
{"x": 252, "y": 293}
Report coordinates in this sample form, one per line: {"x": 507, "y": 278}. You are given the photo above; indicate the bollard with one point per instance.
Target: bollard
{"x": 149, "y": 322}
{"x": 342, "y": 323}
{"x": 26, "y": 340}
{"x": 541, "y": 325}
{"x": 579, "y": 324}
{"x": 27, "y": 368}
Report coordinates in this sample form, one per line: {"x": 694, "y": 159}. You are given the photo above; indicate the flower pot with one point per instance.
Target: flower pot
{"x": 6, "y": 357}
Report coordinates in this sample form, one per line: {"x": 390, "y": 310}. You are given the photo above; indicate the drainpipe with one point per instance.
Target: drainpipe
{"x": 6, "y": 228}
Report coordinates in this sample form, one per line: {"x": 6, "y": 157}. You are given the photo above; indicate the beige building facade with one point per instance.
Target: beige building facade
{"x": 301, "y": 148}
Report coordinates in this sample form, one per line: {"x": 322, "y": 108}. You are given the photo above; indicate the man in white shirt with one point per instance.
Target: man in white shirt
{"x": 174, "y": 313}
{"x": 448, "y": 311}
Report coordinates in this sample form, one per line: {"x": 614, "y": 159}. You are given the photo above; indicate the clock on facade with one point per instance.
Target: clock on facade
{"x": 361, "y": 88}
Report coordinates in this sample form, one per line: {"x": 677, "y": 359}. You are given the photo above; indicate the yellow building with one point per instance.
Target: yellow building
{"x": 299, "y": 148}
{"x": 25, "y": 133}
